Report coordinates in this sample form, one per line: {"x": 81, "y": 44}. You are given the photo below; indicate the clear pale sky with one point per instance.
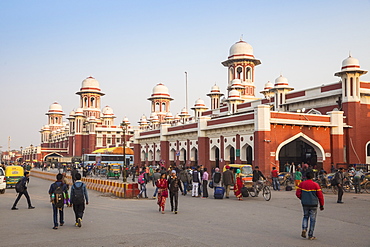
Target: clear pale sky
{"x": 47, "y": 48}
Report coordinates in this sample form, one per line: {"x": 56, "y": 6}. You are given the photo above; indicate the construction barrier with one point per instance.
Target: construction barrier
{"x": 123, "y": 190}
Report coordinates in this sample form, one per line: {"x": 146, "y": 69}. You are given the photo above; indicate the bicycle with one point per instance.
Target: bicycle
{"x": 261, "y": 186}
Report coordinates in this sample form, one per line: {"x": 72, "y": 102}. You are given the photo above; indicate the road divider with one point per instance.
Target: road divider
{"x": 122, "y": 190}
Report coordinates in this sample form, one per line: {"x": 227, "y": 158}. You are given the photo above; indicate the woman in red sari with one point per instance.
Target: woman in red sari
{"x": 162, "y": 192}
{"x": 238, "y": 186}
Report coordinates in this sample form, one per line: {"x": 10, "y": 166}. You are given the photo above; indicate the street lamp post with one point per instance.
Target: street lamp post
{"x": 124, "y": 128}
{"x": 31, "y": 158}
{"x": 21, "y": 159}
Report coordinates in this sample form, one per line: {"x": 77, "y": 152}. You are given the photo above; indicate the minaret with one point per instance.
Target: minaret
{"x": 215, "y": 96}
{"x": 280, "y": 89}
{"x": 198, "y": 108}
{"x": 241, "y": 63}
{"x": 350, "y": 75}
{"x": 55, "y": 116}
{"x": 160, "y": 99}
{"x": 90, "y": 94}
{"x": 108, "y": 116}
{"x": 233, "y": 100}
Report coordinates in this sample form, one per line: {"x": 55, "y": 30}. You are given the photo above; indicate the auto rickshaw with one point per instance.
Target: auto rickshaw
{"x": 13, "y": 174}
{"x": 114, "y": 170}
{"x": 246, "y": 172}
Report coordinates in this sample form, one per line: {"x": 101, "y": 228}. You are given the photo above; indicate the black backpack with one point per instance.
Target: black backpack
{"x": 217, "y": 177}
{"x": 59, "y": 196}
{"x": 78, "y": 197}
{"x": 19, "y": 188}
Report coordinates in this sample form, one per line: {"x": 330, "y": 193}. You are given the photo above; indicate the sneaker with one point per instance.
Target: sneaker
{"x": 303, "y": 235}
{"x": 340, "y": 202}
{"x": 31, "y": 207}
{"x": 311, "y": 238}
{"x": 14, "y": 208}
{"x": 76, "y": 224}
{"x": 61, "y": 224}
{"x": 175, "y": 212}
{"x": 79, "y": 221}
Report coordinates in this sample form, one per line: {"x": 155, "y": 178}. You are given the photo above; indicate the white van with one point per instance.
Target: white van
{"x": 2, "y": 181}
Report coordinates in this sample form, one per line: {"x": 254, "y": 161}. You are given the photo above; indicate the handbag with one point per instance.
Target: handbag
{"x": 211, "y": 184}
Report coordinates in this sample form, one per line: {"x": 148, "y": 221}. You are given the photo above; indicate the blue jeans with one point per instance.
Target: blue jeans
{"x": 55, "y": 215}
{"x": 155, "y": 192}
{"x": 143, "y": 189}
{"x": 309, "y": 212}
{"x": 276, "y": 183}
{"x": 185, "y": 187}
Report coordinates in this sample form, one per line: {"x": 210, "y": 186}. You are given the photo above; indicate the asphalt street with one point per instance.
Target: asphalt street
{"x": 110, "y": 221}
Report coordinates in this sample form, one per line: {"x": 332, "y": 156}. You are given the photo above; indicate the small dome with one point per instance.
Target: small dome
{"x": 281, "y": 81}
{"x": 268, "y": 85}
{"x": 72, "y": 113}
{"x": 125, "y": 120}
{"x": 236, "y": 82}
{"x": 199, "y": 102}
{"x": 241, "y": 49}
{"x": 184, "y": 111}
{"x": 79, "y": 112}
{"x": 55, "y": 108}
{"x": 215, "y": 89}
{"x": 160, "y": 91}
{"x": 234, "y": 94}
{"x": 350, "y": 63}
{"x": 143, "y": 120}
{"x": 177, "y": 117}
{"x": 107, "y": 111}
{"x": 46, "y": 127}
{"x": 169, "y": 115}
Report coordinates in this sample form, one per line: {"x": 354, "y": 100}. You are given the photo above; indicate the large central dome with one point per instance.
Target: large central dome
{"x": 241, "y": 49}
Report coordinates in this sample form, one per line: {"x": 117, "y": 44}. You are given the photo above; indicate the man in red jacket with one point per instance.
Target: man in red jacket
{"x": 310, "y": 195}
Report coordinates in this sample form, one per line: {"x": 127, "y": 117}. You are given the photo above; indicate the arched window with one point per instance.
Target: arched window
{"x": 239, "y": 71}
{"x": 368, "y": 150}
{"x": 92, "y": 102}
{"x": 248, "y": 74}
{"x": 231, "y": 74}
{"x": 157, "y": 107}
{"x": 85, "y": 102}
{"x": 164, "y": 107}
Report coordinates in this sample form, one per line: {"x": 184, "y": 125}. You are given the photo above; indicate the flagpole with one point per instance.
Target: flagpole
{"x": 186, "y": 90}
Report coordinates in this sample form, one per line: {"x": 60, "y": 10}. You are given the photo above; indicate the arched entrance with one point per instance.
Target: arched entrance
{"x": 53, "y": 158}
{"x": 300, "y": 148}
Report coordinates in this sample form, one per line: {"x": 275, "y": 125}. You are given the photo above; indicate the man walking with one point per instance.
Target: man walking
{"x": 185, "y": 179}
{"x": 228, "y": 180}
{"x": 338, "y": 180}
{"x": 23, "y": 191}
{"x": 310, "y": 195}
{"x": 196, "y": 182}
{"x": 174, "y": 184}
{"x": 275, "y": 179}
{"x": 58, "y": 192}
{"x": 78, "y": 197}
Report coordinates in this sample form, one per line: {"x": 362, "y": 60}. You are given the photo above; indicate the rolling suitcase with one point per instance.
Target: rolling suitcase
{"x": 219, "y": 192}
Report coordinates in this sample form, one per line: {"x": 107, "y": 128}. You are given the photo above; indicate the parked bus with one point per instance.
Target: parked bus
{"x": 105, "y": 159}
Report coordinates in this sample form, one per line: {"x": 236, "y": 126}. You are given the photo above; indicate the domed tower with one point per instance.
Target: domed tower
{"x": 234, "y": 99}
{"x": 108, "y": 116}
{"x": 90, "y": 94}
{"x": 266, "y": 90}
{"x": 350, "y": 75}
{"x": 241, "y": 63}
{"x": 160, "y": 99}
{"x": 215, "y": 96}
{"x": 55, "y": 116}
{"x": 198, "y": 108}
{"x": 280, "y": 89}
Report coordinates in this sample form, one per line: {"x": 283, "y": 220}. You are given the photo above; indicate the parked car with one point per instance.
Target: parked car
{"x": 2, "y": 181}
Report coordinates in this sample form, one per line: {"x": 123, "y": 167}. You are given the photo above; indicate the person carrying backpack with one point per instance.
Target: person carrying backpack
{"x": 174, "y": 184}
{"x": 142, "y": 181}
{"x": 21, "y": 189}
{"x": 58, "y": 196}
{"x": 78, "y": 197}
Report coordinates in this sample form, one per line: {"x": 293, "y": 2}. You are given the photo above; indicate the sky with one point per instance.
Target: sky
{"x": 47, "y": 48}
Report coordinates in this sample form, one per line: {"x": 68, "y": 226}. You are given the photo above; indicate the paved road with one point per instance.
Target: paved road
{"x": 110, "y": 221}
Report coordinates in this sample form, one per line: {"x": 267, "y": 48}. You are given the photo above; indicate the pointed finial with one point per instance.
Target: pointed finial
{"x": 241, "y": 37}
{"x": 349, "y": 54}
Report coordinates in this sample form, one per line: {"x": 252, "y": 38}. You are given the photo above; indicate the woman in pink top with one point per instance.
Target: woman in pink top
{"x": 205, "y": 183}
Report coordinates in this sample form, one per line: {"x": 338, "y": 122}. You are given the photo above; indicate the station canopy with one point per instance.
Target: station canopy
{"x": 114, "y": 150}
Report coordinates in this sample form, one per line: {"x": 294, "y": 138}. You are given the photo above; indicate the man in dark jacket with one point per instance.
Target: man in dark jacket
{"x": 24, "y": 182}
{"x": 53, "y": 192}
{"x": 185, "y": 179}
{"x": 174, "y": 184}
{"x": 310, "y": 195}
{"x": 257, "y": 175}
{"x": 228, "y": 180}
{"x": 339, "y": 179}
{"x": 78, "y": 197}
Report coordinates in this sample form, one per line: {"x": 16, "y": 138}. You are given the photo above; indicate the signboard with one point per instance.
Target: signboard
{"x": 177, "y": 153}
{"x": 327, "y": 154}
{"x": 272, "y": 154}
{"x": 237, "y": 152}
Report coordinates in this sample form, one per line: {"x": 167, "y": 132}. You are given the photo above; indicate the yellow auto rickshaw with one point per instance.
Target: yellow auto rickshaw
{"x": 114, "y": 170}
{"x": 13, "y": 174}
{"x": 246, "y": 172}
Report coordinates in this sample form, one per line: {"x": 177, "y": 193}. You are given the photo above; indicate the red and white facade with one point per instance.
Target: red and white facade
{"x": 87, "y": 128}
{"x": 322, "y": 125}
